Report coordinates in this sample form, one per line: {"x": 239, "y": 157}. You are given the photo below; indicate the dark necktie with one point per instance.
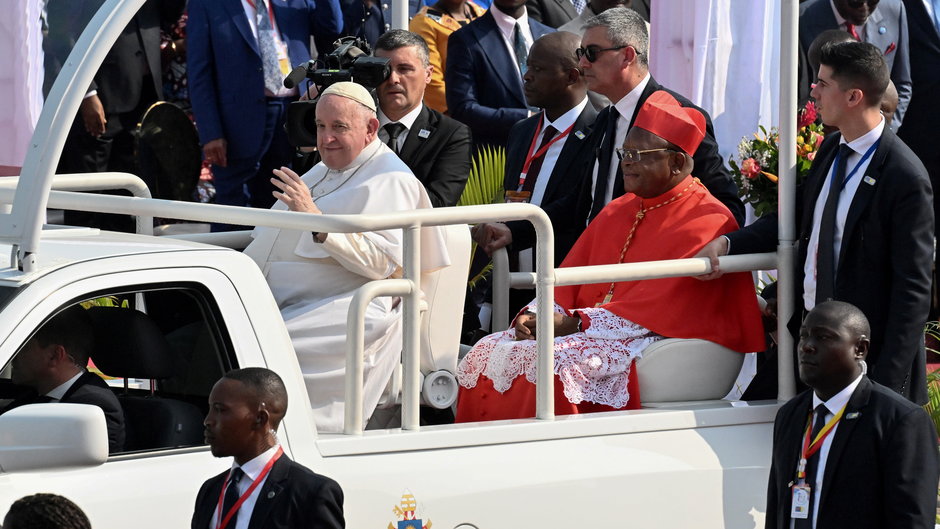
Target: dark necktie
{"x": 536, "y": 165}
{"x": 393, "y": 130}
{"x": 812, "y": 464}
{"x": 519, "y": 48}
{"x": 231, "y": 496}
{"x": 604, "y": 158}
{"x": 267, "y": 45}
{"x": 825, "y": 251}
{"x": 851, "y": 29}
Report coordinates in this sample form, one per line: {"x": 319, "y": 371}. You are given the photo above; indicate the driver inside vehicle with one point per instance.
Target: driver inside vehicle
{"x": 51, "y": 367}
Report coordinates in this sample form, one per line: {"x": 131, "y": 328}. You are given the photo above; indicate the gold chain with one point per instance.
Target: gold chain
{"x": 636, "y": 222}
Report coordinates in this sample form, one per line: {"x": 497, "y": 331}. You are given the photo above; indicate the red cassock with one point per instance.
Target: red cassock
{"x": 674, "y": 225}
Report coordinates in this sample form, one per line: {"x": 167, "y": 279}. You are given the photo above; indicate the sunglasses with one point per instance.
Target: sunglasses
{"x": 857, "y": 4}
{"x": 590, "y": 52}
{"x": 634, "y": 155}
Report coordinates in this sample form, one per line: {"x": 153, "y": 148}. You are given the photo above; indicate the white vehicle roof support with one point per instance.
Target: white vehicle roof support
{"x": 786, "y": 193}
{"x": 23, "y": 225}
{"x": 89, "y": 182}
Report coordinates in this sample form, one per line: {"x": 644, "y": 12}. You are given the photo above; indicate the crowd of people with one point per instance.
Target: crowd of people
{"x": 626, "y": 169}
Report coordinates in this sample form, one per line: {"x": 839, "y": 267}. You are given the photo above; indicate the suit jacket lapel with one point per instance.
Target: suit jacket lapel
{"x": 814, "y": 183}
{"x": 517, "y": 150}
{"x": 205, "y": 508}
{"x": 270, "y": 493}
{"x": 573, "y": 145}
{"x": 491, "y": 40}
{"x": 847, "y": 425}
{"x": 413, "y": 141}
{"x": 237, "y": 14}
{"x": 882, "y": 41}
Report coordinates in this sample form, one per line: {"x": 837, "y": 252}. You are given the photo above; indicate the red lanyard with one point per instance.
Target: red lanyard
{"x": 530, "y": 157}
{"x": 810, "y": 448}
{"x": 222, "y": 522}
{"x": 270, "y": 12}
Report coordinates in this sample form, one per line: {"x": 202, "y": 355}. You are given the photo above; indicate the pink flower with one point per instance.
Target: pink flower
{"x": 807, "y": 115}
{"x": 811, "y": 156}
{"x": 819, "y": 139}
{"x": 750, "y": 168}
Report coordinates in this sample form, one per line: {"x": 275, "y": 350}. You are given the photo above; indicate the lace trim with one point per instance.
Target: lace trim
{"x": 593, "y": 365}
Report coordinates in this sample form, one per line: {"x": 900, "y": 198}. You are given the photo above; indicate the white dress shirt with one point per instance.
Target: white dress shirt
{"x": 252, "y": 470}
{"x": 63, "y": 388}
{"x": 408, "y": 120}
{"x": 507, "y": 25}
{"x": 548, "y": 165}
{"x": 836, "y": 403}
{"x": 860, "y": 146}
{"x": 626, "y": 107}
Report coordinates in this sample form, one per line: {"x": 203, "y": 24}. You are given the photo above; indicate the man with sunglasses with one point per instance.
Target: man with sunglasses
{"x": 882, "y": 23}
{"x": 51, "y": 367}
{"x": 613, "y": 54}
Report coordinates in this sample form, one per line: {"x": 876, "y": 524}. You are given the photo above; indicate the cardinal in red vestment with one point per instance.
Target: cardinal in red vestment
{"x": 601, "y": 329}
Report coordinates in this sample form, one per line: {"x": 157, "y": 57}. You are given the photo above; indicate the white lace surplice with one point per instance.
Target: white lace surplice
{"x": 593, "y": 365}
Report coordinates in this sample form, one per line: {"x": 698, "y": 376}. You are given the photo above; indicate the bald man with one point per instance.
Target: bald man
{"x": 245, "y": 409}
{"x": 877, "y": 465}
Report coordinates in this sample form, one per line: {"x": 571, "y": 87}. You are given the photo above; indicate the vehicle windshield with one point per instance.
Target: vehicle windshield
{"x": 6, "y": 294}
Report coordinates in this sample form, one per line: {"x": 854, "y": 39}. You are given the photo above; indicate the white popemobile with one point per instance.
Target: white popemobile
{"x": 186, "y": 312}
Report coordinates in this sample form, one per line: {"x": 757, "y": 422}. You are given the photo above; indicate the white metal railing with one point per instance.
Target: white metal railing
{"x": 90, "y": 182}
{"x": 584, "y": 275}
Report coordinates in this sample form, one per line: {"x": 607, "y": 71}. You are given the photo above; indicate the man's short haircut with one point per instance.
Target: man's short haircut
{"x": 857, "y": 65}
{"x": 72, "y": 329}
{"x": 848, "y": 314}
{"x": 45, "y": 511}
{"x": 266, "y": 384}
{"x": 399, "y": 38}
{"x": 830, "y": 35}
{"x": 624, "y": 28}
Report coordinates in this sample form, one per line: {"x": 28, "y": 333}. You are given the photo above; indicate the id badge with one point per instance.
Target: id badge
{"x": 799, "y": 507}
{"x": 283, "y": 61}
{"x": 518, "y": 196}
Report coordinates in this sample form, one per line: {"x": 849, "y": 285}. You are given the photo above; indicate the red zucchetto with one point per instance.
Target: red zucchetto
{"x": 662, "y": 115}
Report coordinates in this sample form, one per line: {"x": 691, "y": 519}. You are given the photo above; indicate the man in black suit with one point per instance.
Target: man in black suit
{"x": 127, "y": 83}
{"x": 435, "y": 147}
{"x": 245, "y": 408}
{"x": 52, "y": 366}
{"x": 554, "y": 83}
{"x": 875, "y": 465}
{"x": 485, "y": 62}
{"x": 875, "y": 235}
{"x": 614, "y": 54}
{"x": 920, "y": 122}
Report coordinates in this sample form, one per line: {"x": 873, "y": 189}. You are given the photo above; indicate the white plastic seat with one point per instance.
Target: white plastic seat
{"x": 679, "y": 370}
{"x": 442, "y": 309}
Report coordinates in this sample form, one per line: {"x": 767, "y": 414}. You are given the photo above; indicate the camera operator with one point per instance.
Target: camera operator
{"x": 434, "y": 146}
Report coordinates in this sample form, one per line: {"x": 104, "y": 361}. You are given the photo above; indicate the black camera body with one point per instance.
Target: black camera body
{"x": 350, "y": 60}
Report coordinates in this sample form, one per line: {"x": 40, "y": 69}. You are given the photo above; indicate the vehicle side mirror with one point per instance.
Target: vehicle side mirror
{"x": 52, "y": 436}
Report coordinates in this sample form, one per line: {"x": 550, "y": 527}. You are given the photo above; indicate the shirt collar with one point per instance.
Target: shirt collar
{"x": 60, "y": 391}
{"x": 861, "y": 144}
{"x": 627, "y": 104}
{"x": 408, "y": 120}
{"x": 506, "y": 23}
{"x": 840, "y": 399}
{"x": 567, "y": 119}
{"x": 254, "y": 467}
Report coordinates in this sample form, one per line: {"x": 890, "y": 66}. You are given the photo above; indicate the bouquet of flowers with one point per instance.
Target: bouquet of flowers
{"x": 756, "y": 172}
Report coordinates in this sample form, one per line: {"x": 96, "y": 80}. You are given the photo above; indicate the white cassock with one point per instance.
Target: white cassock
{"x": 313, "y": 283}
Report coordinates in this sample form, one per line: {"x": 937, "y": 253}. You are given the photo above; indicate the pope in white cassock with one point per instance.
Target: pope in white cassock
{"x": 313, "y": 276}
